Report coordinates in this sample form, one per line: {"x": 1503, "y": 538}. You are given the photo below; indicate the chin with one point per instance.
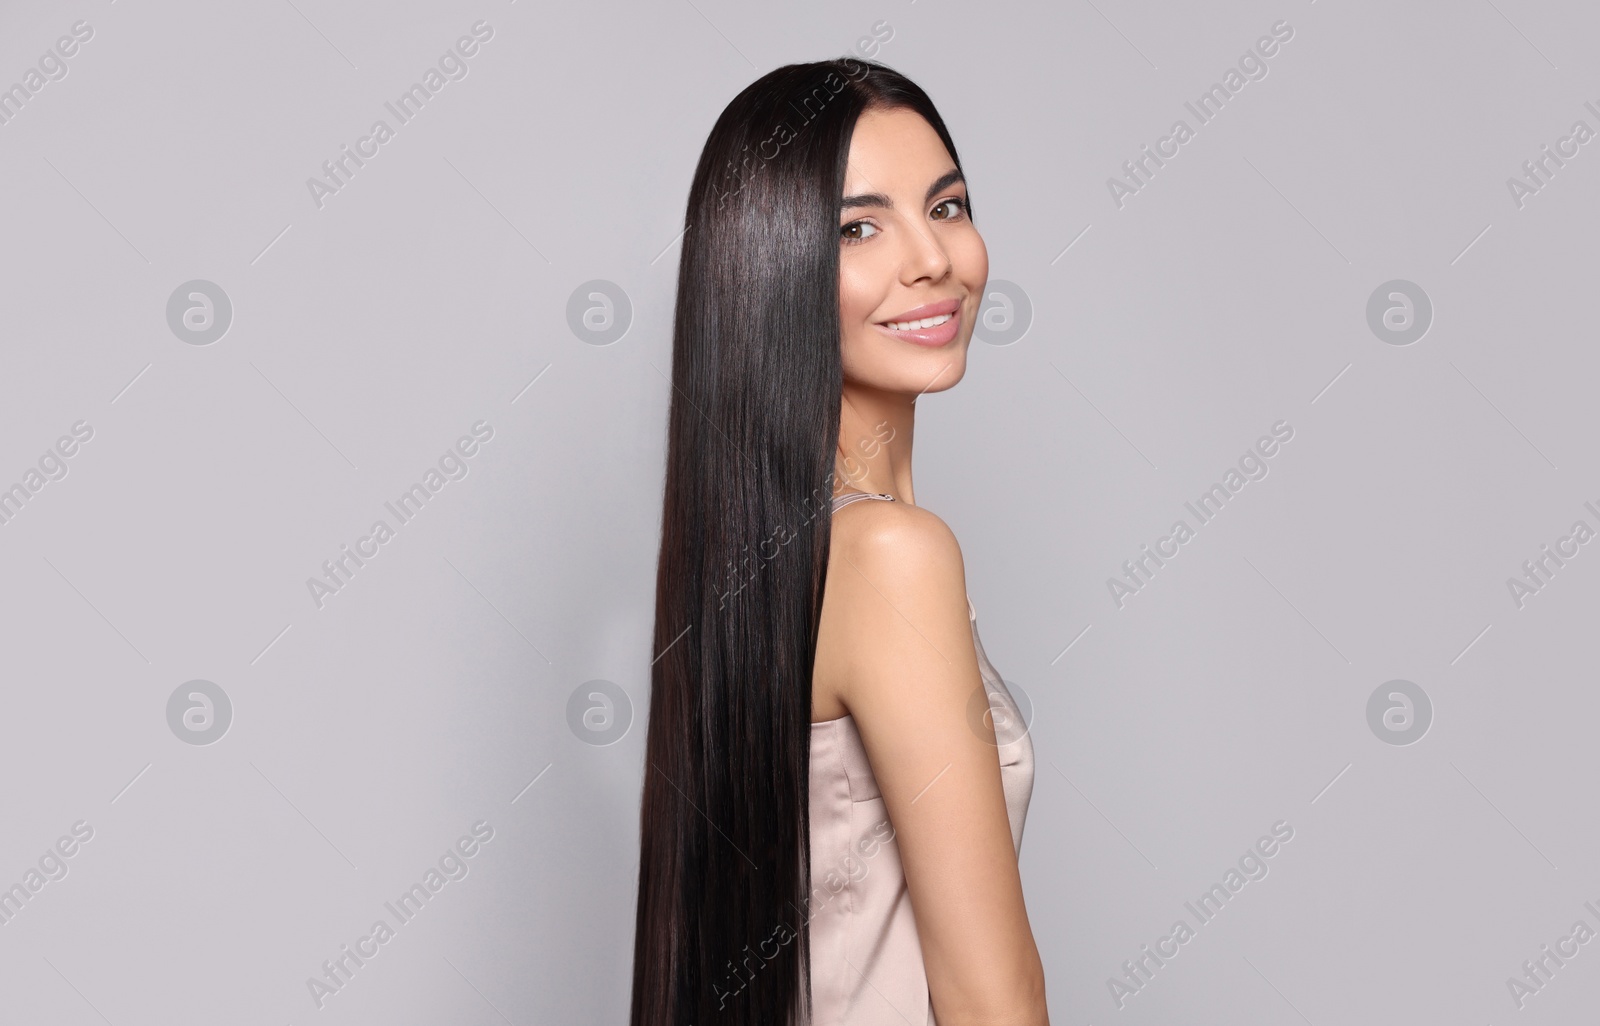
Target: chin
{"x": 947, "y": 378}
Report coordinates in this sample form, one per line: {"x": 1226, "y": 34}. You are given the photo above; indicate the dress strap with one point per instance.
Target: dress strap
{"x": 840, "y": 501}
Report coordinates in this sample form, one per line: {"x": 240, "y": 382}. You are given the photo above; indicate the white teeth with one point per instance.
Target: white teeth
{"x": 926, "y": 322}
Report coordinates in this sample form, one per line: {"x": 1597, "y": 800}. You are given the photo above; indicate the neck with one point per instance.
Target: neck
{"x": 875, "y": 431}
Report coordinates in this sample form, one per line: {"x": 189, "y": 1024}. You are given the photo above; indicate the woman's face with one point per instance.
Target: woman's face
{"x": 911, "y": 264}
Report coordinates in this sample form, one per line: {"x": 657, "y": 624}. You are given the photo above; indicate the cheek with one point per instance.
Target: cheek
{"x": 857, "y": 302}
{"x": 858, "y": 295}
{"x": 972, "y": 261}
{"x": 859, "y": 359}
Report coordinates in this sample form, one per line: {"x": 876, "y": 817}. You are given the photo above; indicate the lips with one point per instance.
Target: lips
{"x": 947, "y": 306}
{"x": 933, "y": 336}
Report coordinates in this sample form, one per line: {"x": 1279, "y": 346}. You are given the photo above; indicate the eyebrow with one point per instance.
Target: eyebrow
{"x": 878, "y": 199}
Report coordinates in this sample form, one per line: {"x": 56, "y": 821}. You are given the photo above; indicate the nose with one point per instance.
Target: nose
{"x": 924, "y": 257}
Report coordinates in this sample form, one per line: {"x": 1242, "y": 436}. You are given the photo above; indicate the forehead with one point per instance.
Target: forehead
{"x": 893, "y": 150}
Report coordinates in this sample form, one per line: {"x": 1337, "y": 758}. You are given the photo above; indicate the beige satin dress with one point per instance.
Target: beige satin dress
{"x": 866, "y": 959}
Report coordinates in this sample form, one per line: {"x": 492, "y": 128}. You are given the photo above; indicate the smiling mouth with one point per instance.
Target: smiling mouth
{"x": 934, "y": 331}
{"x": 917, "y": 325}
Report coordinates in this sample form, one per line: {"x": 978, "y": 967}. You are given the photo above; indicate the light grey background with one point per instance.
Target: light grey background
{"x": 432, "y": 691}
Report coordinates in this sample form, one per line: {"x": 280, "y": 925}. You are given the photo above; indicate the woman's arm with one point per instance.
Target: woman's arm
{"x": 897, "y": 586}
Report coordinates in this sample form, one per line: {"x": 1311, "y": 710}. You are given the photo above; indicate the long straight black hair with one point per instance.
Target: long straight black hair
{"x": 724, "y": 851}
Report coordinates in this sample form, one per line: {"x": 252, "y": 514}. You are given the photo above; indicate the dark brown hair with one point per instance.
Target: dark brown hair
{"x": 724, "y": 849}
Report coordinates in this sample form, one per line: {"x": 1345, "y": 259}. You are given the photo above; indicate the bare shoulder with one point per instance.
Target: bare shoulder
{"x": 896, "y": 595}
{"x": 899, "y": 644}
{"x": 897, "y": 542}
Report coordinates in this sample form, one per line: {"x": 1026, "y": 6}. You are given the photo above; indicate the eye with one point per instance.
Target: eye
{"x": 959, "y": 204}
{"x": 848, "y": 232}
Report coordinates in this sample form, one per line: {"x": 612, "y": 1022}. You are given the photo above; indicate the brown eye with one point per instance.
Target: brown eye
{"x": 851, "y": 232}
{"x": 960, "y": 206}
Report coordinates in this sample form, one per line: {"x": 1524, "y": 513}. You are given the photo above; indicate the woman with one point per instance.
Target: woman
{"x": 829, "y": 825}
